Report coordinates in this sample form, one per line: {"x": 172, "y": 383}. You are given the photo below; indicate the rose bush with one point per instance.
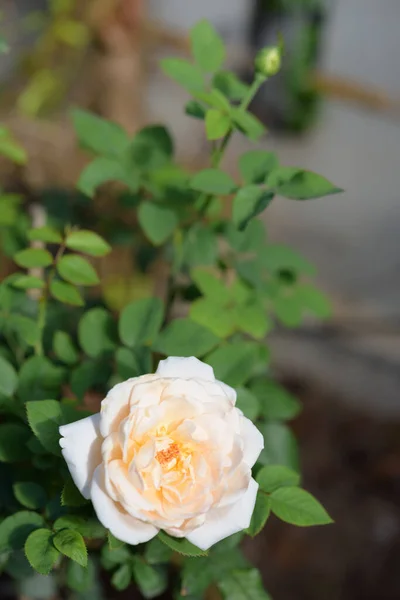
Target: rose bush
{"x": 167, "y": 451}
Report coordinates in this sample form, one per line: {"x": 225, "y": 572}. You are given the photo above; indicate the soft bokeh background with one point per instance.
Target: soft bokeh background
{"x": 337, "y": 113}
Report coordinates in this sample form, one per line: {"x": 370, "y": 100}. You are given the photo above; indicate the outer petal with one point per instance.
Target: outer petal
{"x": 115, "y": 406}
{"x": 185, "y": 368}
{"x": 81, "y": 448}
{"x": 120, "y": 523}
{"x": 221, "y": 523}
{"x": 229, "y": 391}
{"x": 253, "y": 441}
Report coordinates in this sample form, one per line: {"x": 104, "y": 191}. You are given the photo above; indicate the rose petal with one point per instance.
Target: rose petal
{"x": 229, "y": 391}
{"x": 221, "y": 523}
{"x": 253, "y": 441}
{"x": 185, "y": 368}
{"x": 121, "y": 524}
{"x": 115, "y": 406}
{"x": 81, "y": 449}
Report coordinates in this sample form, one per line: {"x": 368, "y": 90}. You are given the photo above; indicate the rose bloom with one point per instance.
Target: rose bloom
{"x": 167, "y": 451}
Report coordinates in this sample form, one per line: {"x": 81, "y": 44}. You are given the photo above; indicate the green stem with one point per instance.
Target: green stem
{"x": 218, "y": 153}
{"x": 44, "y": 300}
{"x": 41, "y": 323}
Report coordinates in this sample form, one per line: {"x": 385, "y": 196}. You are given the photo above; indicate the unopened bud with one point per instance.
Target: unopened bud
{"x": 268, "y": 61}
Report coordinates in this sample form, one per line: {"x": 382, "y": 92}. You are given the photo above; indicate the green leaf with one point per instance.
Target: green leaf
{"x": 276, "y": 403}
{"x": 66, "y": 293}
{"x": 248, "y": 403}
{"x": 87, "y": 242}
{"x": 252, "y": 239}
{"x": 30, "y": 494}
{"x": 19, "y": 568}
{"x": 298, "y": 507}
{"x": 13, "y": 440}
{"x": 243, "y": 585}
{"x": 122, "y": 577}
{"x": 302, "y": 185}
{"x": 208, "y": 48}
{"x": 278, "y": 258}
{"x": 272, "y": 477}
{"x": 248, "y": 123}
{"x": 199, "y": 573}
{"x": 15, "y": 529}
{"x": 156, "y": 552}
{"x": 71, "y": 496}
{"x": 103, "y": 170}
{"x": 27, "y": 329}
{"x": 181, "y": 545}
{"x": 140, "y": 321}
{"x": 39, "y": 378}
{"x": 282, "y": 176}
{"x": 40, "y": 551}
{"x": 195, "y": 109}
{"x": 211, "y": 285}
{"x": 45, "y": 418}
{"x": 27, "y": 282}
{"x": 83, "y": 579}
{"x": 200, "y": 246}
{"x": 151, "y": 148}
{"x": 217, "y": 124}
{"x": 113, "y": 556}
{"x": 280, "y": 446}
{"x": 99, "y": 135}
{"x": 96, "y": 332}
{"x": 253, "y": 320}
{"x": 215, "y": 99}
{"x": 184, "y": 337}
{"x": 256, "y": 165}
{"x": 77, "y": 270}
{"x": 45, "y": 234}
{"x": 89, "y": 528}
{"x": 215, "y": 316}
{"x": 233, "y": 363}
{"x": 213, "y": 181}
{"x": 70, "y": 543}
{"x": 33, "y": 257}
{"x": 90, "y": 373}
{"x": 127, "y": 363}
{"x": 8, "y": 378}
{"x": 116, "y": 544}
{"x": 260, "y": 514}
{"x": 289, "y": 311}
{"x": 313, "y": 300}
{"x": 9, "y": 209}
{"x": 249, "y": 202}
{"x": 157, "y": 222}
{"x": 230, "y": 85}
{"x": 152, "y": 581}
{"x": 184, "y": 73}
{"x": 64, "y": 348}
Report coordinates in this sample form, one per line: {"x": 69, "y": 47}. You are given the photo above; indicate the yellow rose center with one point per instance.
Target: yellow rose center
{"x": 165, "y": 456}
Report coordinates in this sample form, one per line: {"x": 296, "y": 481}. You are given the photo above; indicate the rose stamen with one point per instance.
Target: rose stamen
{"x": 165, "y": 456}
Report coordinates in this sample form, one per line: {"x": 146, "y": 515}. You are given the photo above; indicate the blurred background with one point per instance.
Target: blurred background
{"x": 334, "y": 109}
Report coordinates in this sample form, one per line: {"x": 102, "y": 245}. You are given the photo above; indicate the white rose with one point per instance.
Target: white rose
{"x": 167, "y": 451}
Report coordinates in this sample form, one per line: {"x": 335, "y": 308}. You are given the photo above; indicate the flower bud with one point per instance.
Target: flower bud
{"x": 268, "y": 61}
